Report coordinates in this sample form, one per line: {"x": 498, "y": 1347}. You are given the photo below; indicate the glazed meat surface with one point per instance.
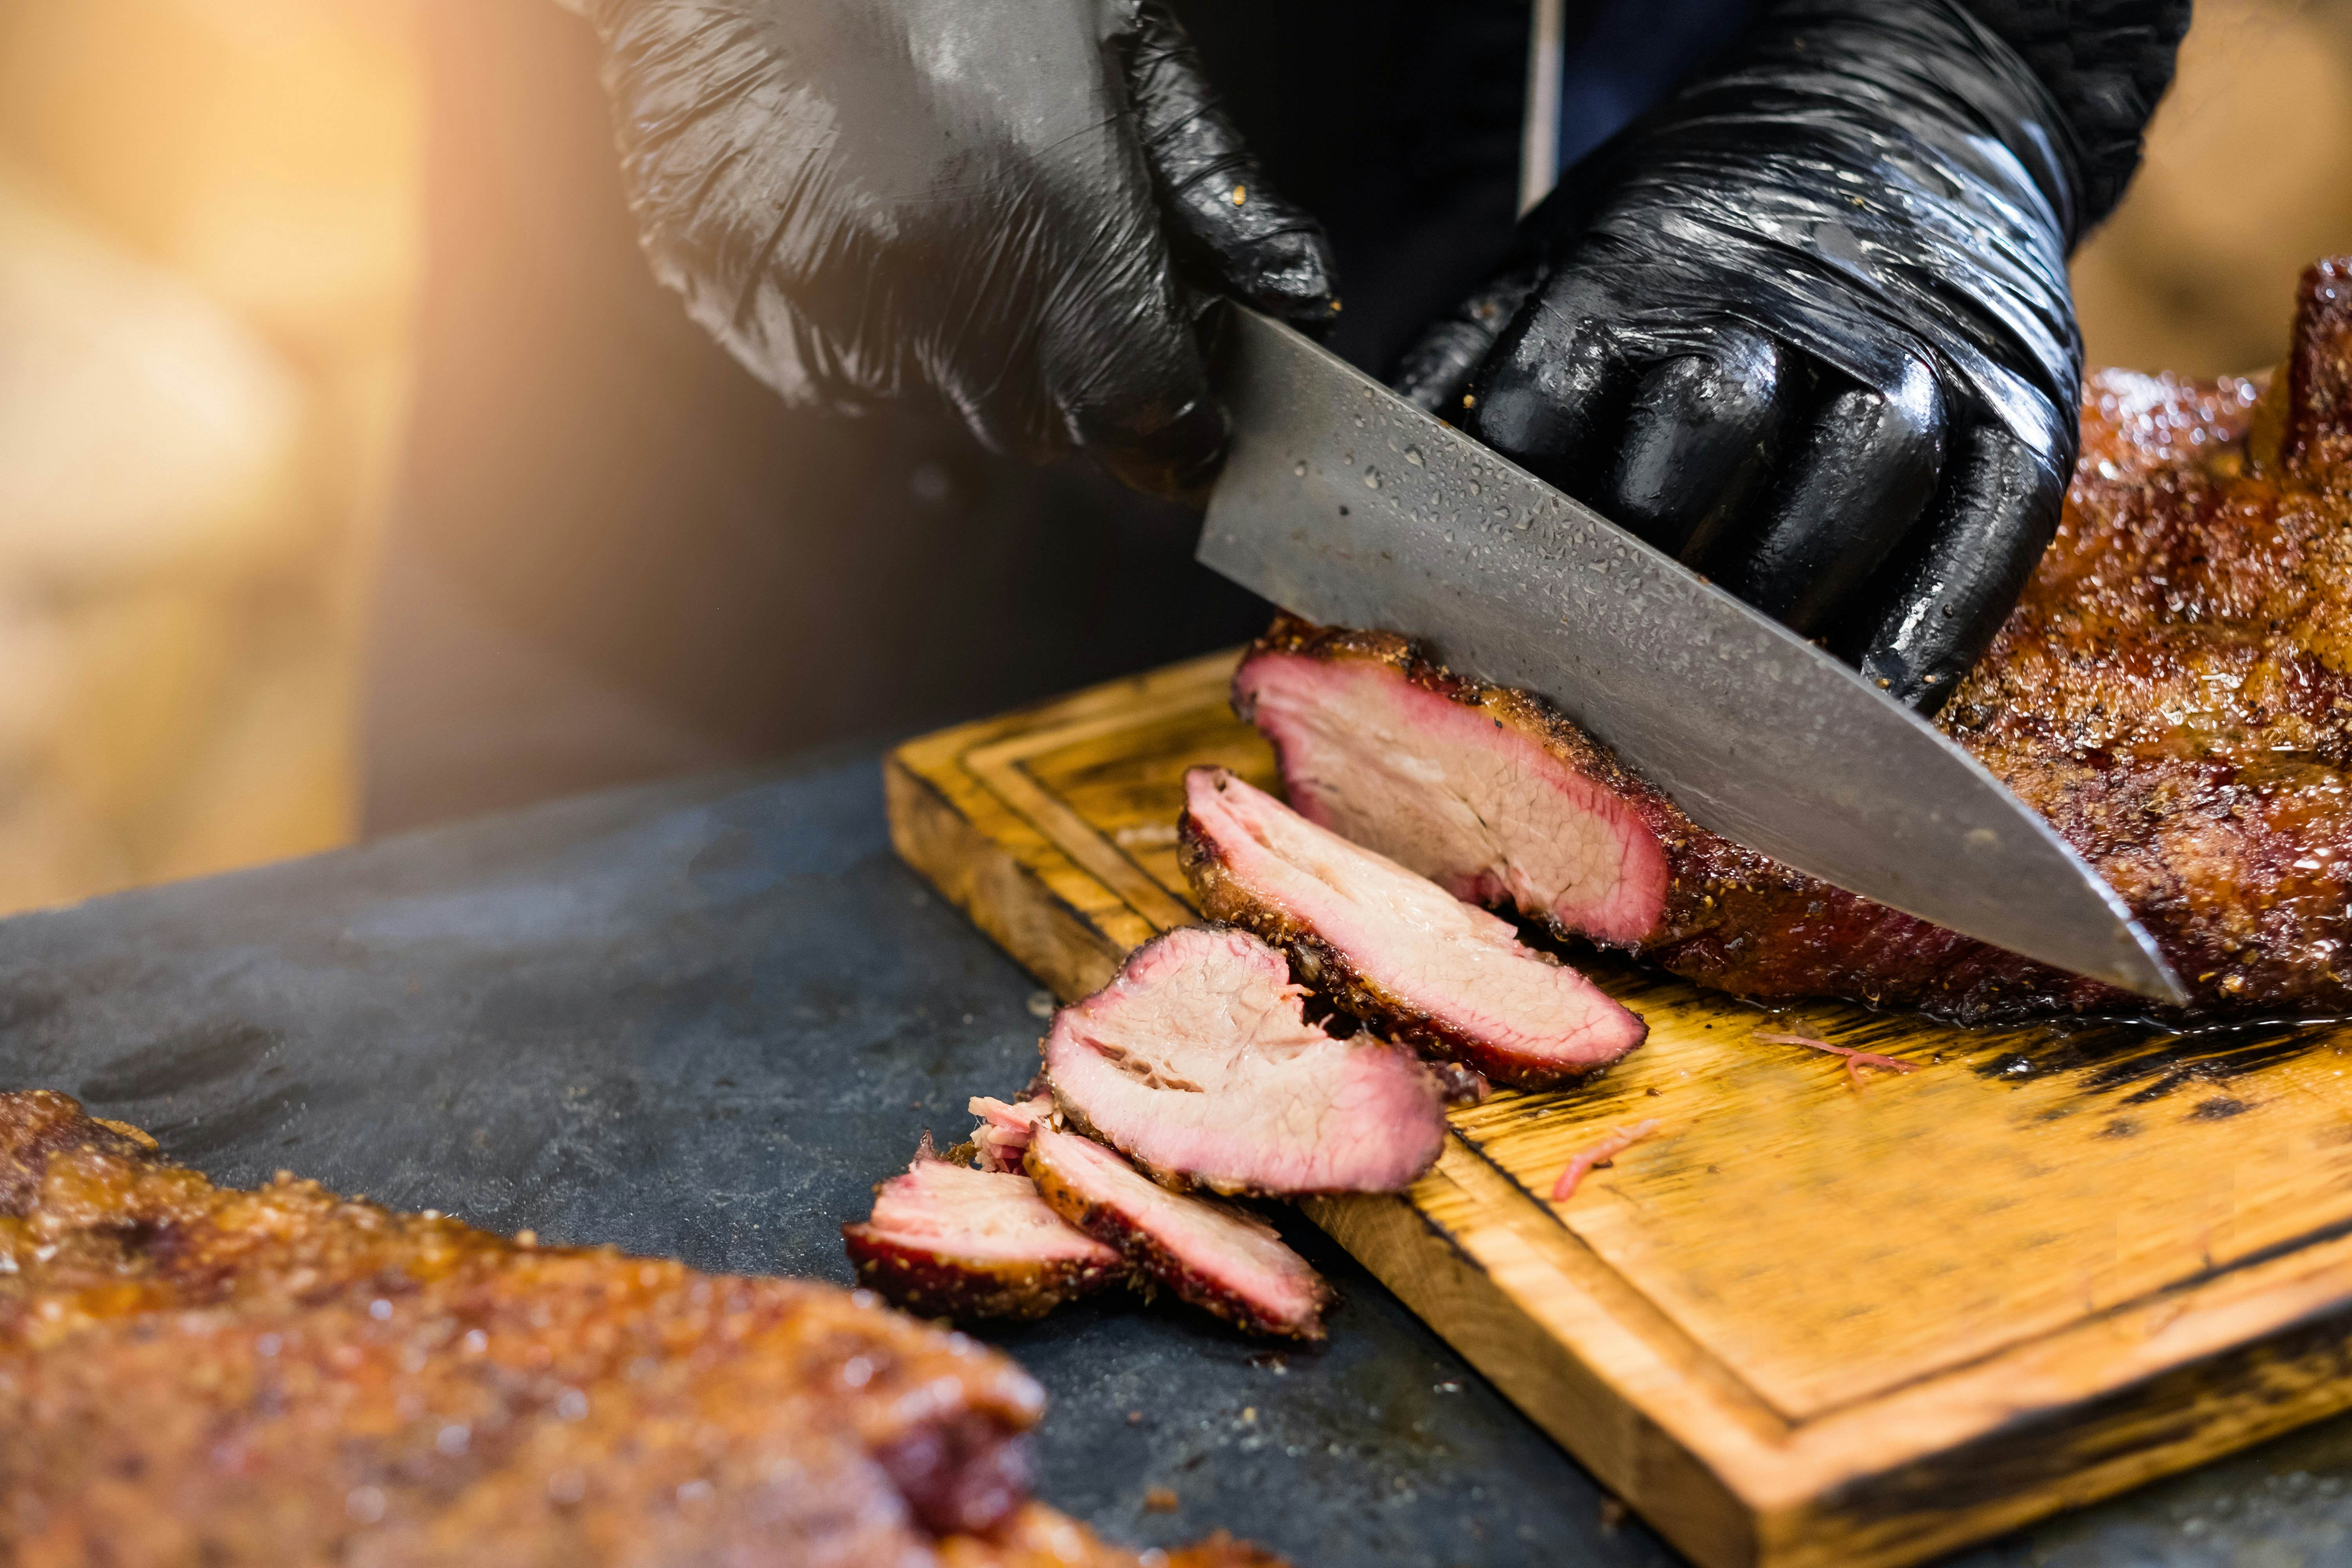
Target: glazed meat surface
{"x": 286, "y": 1377}
{"x": 2173, "y": 692}
{"x": 1391, "y": 947}
{"x": 1198, "y": 1062}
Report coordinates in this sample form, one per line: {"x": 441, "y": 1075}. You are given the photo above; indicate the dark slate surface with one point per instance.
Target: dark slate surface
{"x": 701, "y": 1019}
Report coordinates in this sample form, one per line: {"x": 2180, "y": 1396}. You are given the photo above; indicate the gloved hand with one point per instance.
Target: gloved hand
{"x": 1806, "y": 325}
{"x": 1000, "y": 200}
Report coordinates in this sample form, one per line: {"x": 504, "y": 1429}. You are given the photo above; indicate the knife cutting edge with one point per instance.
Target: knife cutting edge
{"x": 1345, "y": 504}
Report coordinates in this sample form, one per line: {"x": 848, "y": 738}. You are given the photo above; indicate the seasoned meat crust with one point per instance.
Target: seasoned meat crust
{"x": 2174, "y": 692}
{"x": 288, "y": 1377}
{"x": 1217, "y": 1256}
{"x": 950, "y": 1241}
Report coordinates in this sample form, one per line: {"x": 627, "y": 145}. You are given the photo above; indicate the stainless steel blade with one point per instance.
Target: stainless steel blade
{"x": 1344, "y": 503}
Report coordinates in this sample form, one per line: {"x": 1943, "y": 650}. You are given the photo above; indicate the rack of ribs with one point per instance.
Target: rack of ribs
{"x": 190, "y": 1374}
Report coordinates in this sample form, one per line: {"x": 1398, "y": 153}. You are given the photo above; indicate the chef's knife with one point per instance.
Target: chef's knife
{"x": 1345, "y": 504}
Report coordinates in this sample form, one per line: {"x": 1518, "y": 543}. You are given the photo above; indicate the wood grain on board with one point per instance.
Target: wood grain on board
{"x": 1820, "y": 1317}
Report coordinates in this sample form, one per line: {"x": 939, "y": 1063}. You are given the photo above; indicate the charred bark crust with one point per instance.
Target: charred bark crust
{"x": 937, "y": 1285}
{"x": 1156, "y": 1264}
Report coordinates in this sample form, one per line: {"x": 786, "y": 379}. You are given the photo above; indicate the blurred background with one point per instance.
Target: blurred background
{"x": 209, "y": 242}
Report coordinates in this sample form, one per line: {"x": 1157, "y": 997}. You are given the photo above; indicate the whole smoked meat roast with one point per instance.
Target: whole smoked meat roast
{"x": 2173, "y": 692}
{"x": 190, "y": 1374}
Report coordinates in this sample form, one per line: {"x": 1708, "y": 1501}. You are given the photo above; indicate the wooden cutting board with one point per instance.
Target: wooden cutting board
{"x": 1812, "y": 1319}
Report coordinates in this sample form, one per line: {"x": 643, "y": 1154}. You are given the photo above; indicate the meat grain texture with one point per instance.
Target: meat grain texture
{"x": 1198, "y": 1062}
{"x": 1219, "y": 1258}
{"x": 1391, "y": 947}
{"x": 2173, "y": 692}
{"x": 286, "y": 1377}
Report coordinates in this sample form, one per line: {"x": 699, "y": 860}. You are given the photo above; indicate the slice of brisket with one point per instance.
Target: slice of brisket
{"x": 1199, "y": 1063}
{"x": 2173, "y": 692}
{"x": 1391, "y": 947}
{"x": 947, "y": 1240}
{"x": 1214, "y": 1255}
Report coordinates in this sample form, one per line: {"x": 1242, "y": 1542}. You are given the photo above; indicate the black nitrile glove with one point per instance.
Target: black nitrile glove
{"x": 1000, "y": 200}
{"x": 1806, "y": 326}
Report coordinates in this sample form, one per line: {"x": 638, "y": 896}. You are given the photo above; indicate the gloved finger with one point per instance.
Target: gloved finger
{"x": 1697, "y": 442}
{"x": 1938, "y": 603}
{"x": 1229, "y": 228}
{"x": 1853, "y": 485}
{"x": 1126, "y": 374}
{"x": 1550, "y": 394}
{"x": 1437, "y": 371}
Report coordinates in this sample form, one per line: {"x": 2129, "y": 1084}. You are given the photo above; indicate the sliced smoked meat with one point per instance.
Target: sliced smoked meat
{"x": 2173, "y": 692}
{"x": 1199, "y": 1063}
{"x": 947, "y": 1240}
{"x": 1391, "y": 946}
{"x": 1217, "y": 1256}
{"x": 1486, "y": 791}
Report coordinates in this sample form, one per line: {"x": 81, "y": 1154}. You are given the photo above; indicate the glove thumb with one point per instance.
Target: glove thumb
{"x": 1229, "y": 229}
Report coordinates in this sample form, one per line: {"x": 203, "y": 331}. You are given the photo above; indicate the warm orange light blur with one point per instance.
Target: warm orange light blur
{"x": 208, "y": 256}
{"x": 2248, "y": 180}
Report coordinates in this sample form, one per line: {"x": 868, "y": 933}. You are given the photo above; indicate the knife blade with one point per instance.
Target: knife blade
{"x": 1345, "y": 504}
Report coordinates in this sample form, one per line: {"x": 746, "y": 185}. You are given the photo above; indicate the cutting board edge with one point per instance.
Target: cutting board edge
{"x": 1679, "y": 1467}
{"x": 1008, "y": 901}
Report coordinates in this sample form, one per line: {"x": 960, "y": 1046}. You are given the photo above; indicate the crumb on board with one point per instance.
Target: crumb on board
{"x": 1854, "y": 1060}
{"x": 1615, "y": 1142}
{"x": 1160, "y": 1500}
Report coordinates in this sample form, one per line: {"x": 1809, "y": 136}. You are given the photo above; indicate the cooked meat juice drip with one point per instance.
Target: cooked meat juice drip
{"x": 2173, "y": 692}
{"x": 1199, "y": 1063}
{"x": 1391, "y": 947}
{"x": 948, "y": 1240}
{"x": 1615, "y": 1141}
{"x": 1216, "y": 1256}
{"x": 286, "y": 1377}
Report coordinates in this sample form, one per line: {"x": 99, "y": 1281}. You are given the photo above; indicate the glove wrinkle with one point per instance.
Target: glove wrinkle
{"x": 2106, "y": 63}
